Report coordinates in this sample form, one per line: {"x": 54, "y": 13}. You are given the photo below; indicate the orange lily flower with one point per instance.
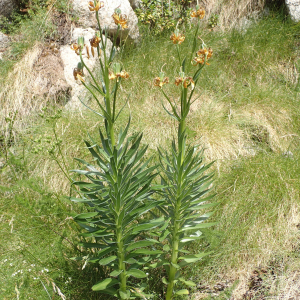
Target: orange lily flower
{"x": 120, "y": 19}
{"x": 93, "y": 7}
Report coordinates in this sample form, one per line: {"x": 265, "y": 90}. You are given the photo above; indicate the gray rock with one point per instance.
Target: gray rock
{"x": 4, "y": 41}
{"x": 71, "y": 59}
{"x": 88, "y": 18}
{"x": 135, "y": 3}
{"x": 7, "y": 7}
{"x": 293, "y": 7}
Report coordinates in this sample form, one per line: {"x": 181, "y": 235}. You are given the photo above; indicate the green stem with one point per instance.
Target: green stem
{"x": 121, "y": 258}
{"x": 174, "y": 256}
{"x": 178, "y": 53}
{"x": 112, "y": 135}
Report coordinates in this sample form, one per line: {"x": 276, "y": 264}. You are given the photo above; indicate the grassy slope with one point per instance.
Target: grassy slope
{"x": 248, "y": 105}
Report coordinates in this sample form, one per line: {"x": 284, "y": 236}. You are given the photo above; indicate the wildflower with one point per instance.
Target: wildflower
{"x": 161, "y": 80}
{"x": 187, "y": 81}
{"x": 178, "y": 80}
{"x": 177, "y": 37}
{"x": 120, "y": 19}
{"x": 202, "y": 56}
{"x": 93, "y": 7}
{"x": 78, "y": 74}
{"x": 122, "y": 74}
{"x": 198, "y": 13}
{"x": 95, "y": 41}
{"x": 76, "y": 48}
{"x": 111, "y": 75}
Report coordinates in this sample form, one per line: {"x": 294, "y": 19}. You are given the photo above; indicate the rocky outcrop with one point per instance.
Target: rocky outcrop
{"x": 293, "y": 7}
{"x": 48, "y": 79}
{"x": 7, "y": 7}
{"x": 87, "y": 18}
{"x": 70, "y": 61}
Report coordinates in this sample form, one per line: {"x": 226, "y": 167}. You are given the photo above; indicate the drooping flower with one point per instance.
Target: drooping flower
{"x": 188, "y": 81}
{"x": 95, "y": 41}
{"x": 76, "y": 48}
{"x": 202, "y": 56}
{"x": 93, "y": 7}
{"x": 78, "y": 74}
{"x": 178, "y": 80}
{"x": 185, "y": 80}
{"x": 120, "y": 19}
{"x": 161, "y": 80}
{"x": 122, "y": 74}
{"x": 198, "y": 13}
{"x": 177, "y": 37}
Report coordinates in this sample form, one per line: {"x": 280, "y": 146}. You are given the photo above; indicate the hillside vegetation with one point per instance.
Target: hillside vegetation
{"x": 247, "y": 119}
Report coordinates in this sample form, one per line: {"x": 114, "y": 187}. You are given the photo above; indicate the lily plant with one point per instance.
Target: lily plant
{"x": 184, "y": 182}
{"x": 117, "y": 184}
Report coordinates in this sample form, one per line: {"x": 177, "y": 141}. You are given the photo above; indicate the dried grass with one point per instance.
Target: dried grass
{"x": 231, "y": 12}
{"x": 15, "y": 94}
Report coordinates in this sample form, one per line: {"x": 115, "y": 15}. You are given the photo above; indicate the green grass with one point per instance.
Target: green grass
{"x": 246, "y": 117}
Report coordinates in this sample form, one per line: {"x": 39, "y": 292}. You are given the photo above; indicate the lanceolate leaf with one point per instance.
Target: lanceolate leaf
{"x": 107, "y": 260}
{"x": 182, "y": 292}
{"x": 136, "y": 273}
{"x": 104, "y": 284}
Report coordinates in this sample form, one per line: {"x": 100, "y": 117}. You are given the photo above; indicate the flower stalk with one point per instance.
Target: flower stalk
{"x": 183, "y": 179}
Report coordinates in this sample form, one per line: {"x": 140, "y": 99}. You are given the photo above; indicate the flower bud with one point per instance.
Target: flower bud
{"x": 81, "y": 41}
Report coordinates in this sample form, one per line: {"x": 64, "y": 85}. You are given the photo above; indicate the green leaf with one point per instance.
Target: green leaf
{"x": 187, "y": 282}
{"x": 107, "y": 260}
{"x": 193, "y": 258}
{"x": 124, "y": 295}
{"x": 104, "y": 284}
{"x": 175, "y": 265}
{"x": 166, "y": 248}
{"x": 140, "y": 244}
{"x": 86, "y": 215}
{"x": 148, "y": 252}
{"x": 136, "y": 273}
{"x": 116, "y": 273}
{"x": 131, "y": 261}
{"x": 198, "y": 226}
{"x": 182, "y": 292}
{"x": 164, "y": 280}
{"x": 147, "y": 226}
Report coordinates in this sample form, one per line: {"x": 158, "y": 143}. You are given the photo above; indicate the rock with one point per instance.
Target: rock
{"x": 4, "y": 41}
{"x": 7, "y": 7}
{"x": 293, "y": 7}
{"x": 49, "y": 80}
{"x": 88, "y": 18}
{"x": 135, "y": 3}
{"x": 71, "y": 59}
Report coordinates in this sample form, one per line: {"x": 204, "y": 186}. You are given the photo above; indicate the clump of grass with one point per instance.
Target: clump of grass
{"x": 258, "y": 216}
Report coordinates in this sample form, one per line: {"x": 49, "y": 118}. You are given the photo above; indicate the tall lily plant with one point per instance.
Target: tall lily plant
{"x": 117, "y": 184}
{"x": 185, "y": 184}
